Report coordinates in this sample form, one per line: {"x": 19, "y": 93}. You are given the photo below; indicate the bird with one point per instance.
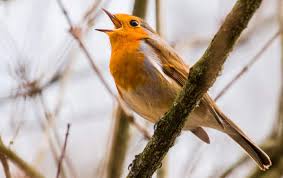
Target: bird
{"x": 149, "y": 74}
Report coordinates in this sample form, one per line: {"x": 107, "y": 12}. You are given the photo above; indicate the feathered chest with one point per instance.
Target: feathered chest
{"x": 127, "y": 65}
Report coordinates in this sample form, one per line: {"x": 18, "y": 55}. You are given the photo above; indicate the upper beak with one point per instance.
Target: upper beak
{"x": 114, "y": 20}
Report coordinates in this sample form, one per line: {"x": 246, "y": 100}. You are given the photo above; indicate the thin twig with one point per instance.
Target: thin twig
{"x": 93, "y": 13}
{"x": 19, "y": 162}
{"x": 140, "y": 8}
{"x": 279, "y": 126}
{"x": 63, "y": 150}
{"x": 75, "y": 32}
{"x": 234, "y": 166}
{"x": 248, "y": 66}
{"x": 53, "y": 147}
{"x": 192, "y": 162}
{"x": 89, "y": 14}
{"x": 158, "y": 17}
{"x": 20, "y": 122}
{"x": 62, "y": 88}
{"x": 5, "y": 165}
{"x": 33, "y": 91}
{"x": 202, "y": 41}
{"x": 50, "y": 124}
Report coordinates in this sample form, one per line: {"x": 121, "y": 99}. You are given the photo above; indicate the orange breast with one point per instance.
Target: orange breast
{"x": 127, "y": 65}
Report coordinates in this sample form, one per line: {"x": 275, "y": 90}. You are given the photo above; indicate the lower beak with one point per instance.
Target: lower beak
{"x": 104, "y": 30}
{"x": 114, "y": 20}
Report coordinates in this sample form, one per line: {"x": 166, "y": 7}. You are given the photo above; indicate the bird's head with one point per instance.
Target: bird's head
{"x": 127, "y": 27}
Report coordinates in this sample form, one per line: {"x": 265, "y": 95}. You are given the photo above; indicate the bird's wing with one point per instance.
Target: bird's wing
{"x": 172, "y": 65}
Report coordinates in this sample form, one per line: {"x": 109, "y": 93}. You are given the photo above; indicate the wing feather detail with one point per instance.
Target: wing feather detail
{"x": 172, "y": 64}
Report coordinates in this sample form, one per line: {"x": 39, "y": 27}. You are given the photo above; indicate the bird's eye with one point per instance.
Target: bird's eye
{"x": 134, "y": 23}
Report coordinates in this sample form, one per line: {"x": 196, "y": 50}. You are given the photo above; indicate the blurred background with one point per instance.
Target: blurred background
{"x": 47, "y": 82}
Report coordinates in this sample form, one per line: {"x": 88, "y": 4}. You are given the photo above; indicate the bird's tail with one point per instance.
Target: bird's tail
{"x": 231, "y": 129}
{"x": 257, "y": 154}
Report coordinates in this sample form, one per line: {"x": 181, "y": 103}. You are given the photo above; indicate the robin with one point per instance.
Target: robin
{"x": 149, "y": 74}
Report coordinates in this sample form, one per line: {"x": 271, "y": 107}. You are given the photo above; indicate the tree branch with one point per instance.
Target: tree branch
{"x": 119, "y": 144}
{"x": 201, "y": 77}
{"x": 19, "y": 162}
{"x": 5, "y": 165}
{"x": 140, "y": 8}
{"x": 158, "y": 17}
{"x": 63, "y": 151}
{"x": 280, "y": 108}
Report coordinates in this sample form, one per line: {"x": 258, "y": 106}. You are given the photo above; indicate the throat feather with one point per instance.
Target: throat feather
{"x": 127, "y": 67}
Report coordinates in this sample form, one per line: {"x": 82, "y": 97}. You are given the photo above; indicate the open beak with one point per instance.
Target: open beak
{"x": 114, "y": 20}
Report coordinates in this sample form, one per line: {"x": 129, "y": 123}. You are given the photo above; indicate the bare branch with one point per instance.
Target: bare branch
{"x": 140, "y": 8}
{"x": 119, "y": 145}
{"x": 75, "y": 32}
{"x": 49, "y": 117}
{"x": 247, "y": 66}
{"x": 202, "y": 41}
{"x": 279, "y": 126}
{"x": 93, "y": 13}
{"x": 158, "y": 17}
{"x": 19, "y": 162}
{"x": 63, "y": 151}
{"x": 234, "y": 166}
{"x": 5, "y": 165}
{"x": 45, "y": 128}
